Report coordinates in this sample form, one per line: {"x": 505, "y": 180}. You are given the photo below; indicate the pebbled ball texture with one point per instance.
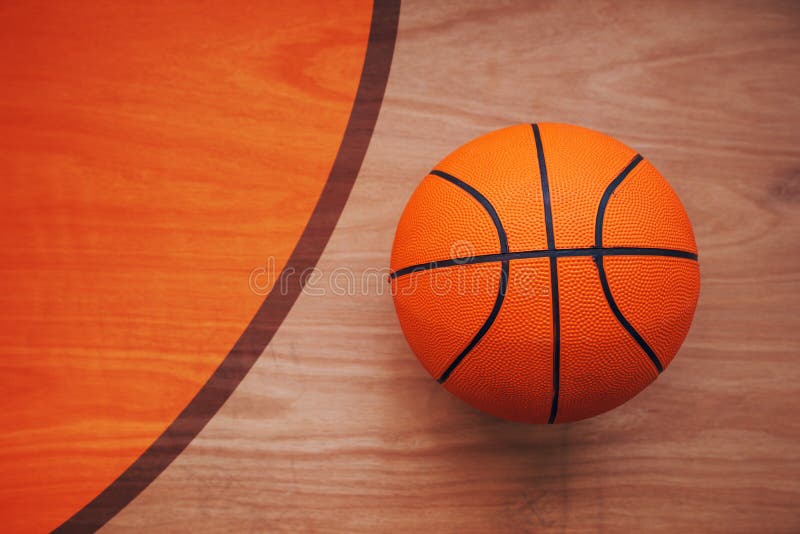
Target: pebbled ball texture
{"x": 534, "y": 329}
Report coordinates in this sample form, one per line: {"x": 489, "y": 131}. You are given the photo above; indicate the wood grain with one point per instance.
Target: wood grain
{"x": 338, "y": 428}
{"x": 153, "y": 156}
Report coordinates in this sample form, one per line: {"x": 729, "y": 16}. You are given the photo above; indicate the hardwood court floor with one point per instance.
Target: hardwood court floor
{"x": 153, "y": 155}
{"x": 343, "y": 430}
{"x": 337, "y": 428}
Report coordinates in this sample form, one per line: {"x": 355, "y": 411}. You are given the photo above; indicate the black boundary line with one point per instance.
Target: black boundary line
{"x": 502, "y": 286}
{"x": 268, "y": 318}
{"x": 598, "y": 260}
{"x": 551, "y": 246}
{"x": 557, "y": 253}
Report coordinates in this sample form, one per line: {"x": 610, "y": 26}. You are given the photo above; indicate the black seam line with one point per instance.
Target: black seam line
{"x": 556, "y": 339}
{"x": 501, "y": 292}
{"x": 548, "y": 213}
{"x": 551, "y": 245}
{"x": 621, "y": 318}
{"x": 477, "y": 195}
{"x": 598, "y": 237}
{"x": 601, "y": 209}
{"x": 498, "y": 303}
{"x": 557, "y": 253}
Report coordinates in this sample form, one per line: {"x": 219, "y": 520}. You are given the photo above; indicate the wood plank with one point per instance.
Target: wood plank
{"x": 153, "y": 156}
{"x": 338, "y": 428}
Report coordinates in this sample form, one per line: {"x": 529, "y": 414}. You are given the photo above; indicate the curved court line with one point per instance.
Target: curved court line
{"x": 598, "y": 232}
{"x": 259, "y": 332}
{"x": 503, "y": 285}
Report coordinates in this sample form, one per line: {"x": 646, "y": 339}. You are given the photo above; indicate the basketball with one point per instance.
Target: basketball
{"x": 544, "y": 273}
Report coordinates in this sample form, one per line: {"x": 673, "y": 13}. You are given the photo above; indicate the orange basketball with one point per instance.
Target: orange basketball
{"x": 545, "y": 273}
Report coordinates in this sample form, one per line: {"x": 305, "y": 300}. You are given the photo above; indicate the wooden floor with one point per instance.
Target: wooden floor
{"x": 136, "y": 204}
{"x": 337, "y": 427}
{"x": 342, "y": 430}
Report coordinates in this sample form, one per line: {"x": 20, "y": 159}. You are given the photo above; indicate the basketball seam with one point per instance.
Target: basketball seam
{"x": 498, "y": 303}
{"x": 502, "y": 286}
{"x": 484, "y": 202}
{"x": 601, "y": 209}
{"x": 558, "y": 253}
{"x": 621, "y": 318}
{"x": 598, "y": 260}
{"x": 551, "y": 245}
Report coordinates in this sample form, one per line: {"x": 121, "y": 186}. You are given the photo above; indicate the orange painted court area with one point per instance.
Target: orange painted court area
{"x": 153, "y": 156}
